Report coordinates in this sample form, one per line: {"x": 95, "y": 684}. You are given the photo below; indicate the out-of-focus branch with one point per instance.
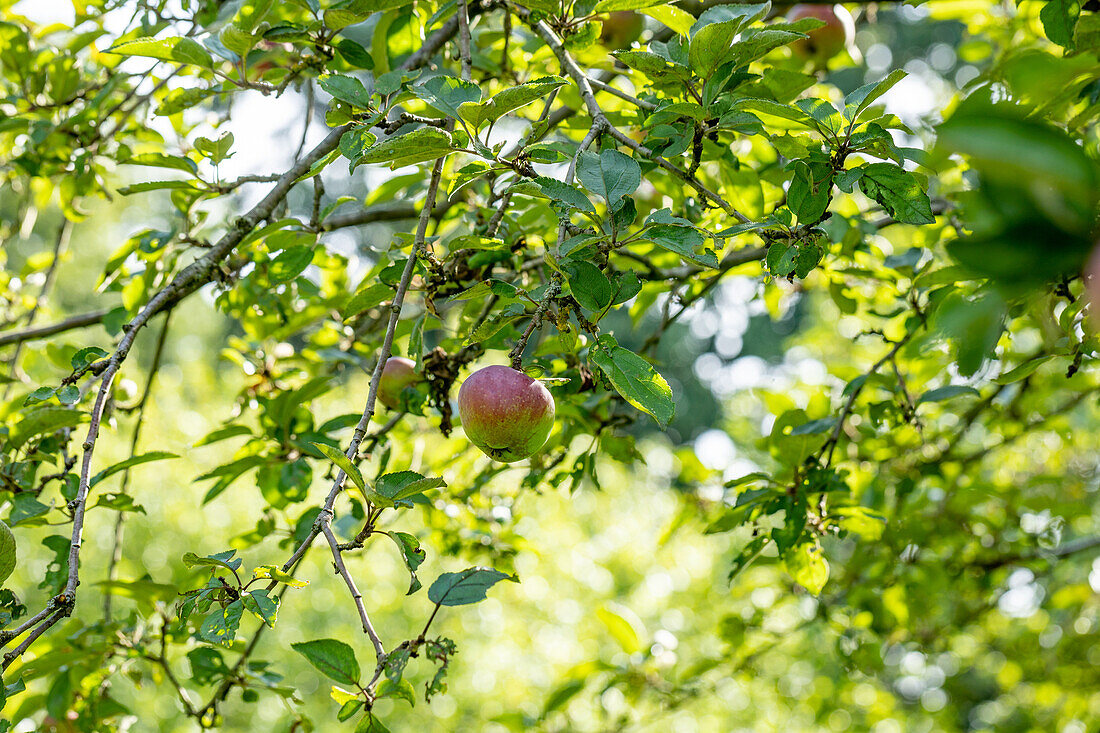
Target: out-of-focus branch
{"x": 73, "y": 322}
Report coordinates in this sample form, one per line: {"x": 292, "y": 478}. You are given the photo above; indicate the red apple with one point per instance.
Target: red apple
{"x": 505, "y": 413}
{"x": 828, "y": 40}
{"x": 398, "y": 373}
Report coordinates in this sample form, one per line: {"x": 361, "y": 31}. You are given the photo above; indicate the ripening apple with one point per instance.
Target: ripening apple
{"x": 398, "y": 373}
{"x": 621, "y": 28}
{"x": 1091, "y": 276}
{"x": 505, "y": 413}
{"x": 828, "y": 40}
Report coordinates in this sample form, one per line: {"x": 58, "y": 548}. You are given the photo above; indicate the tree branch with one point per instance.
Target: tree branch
{"x": 73, "y": 322}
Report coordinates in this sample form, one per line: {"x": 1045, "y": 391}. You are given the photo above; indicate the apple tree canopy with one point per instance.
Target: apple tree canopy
{"x": 814, "y": 294}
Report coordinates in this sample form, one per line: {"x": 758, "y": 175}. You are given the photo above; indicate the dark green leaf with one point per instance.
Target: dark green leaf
{"x": 465, "y": 587}
{"x": 610, "y": 174}
{"x": 346, "y": 89}
{"x": 635, "y": 379}
{"x": 412, "y": 554}
{"x": 899, "y": 191}
{"x": 590, "y": 287}
{"x": 334, "y": 658}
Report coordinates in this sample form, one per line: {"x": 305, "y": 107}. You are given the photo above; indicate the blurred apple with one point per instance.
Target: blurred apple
{"x": 398, "y": 373}
{"x": 621, "y": 28}
{"x": 1092, "y": 285}
{"x": 827, "y": 41}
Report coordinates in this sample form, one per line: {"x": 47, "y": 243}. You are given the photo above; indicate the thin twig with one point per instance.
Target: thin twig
{"x": 640, "y": 103}
{"x": 356, "y": 596}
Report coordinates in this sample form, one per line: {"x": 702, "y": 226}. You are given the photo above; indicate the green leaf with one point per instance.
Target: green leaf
{"x": 563, "y": 193}
{"x": 462, "y": 588}
{"x": 158, "y": 455}
{"x": 973, "y": 325}
{"x": 684, "y": 241}
{"x": 758, "y": 45}
{"x": 653, "y": 65}
{"x": 289, "y": 264}
{"x": 333, "y": 658}
{"x": 177, "y": 49}
{"x": 861, "y": 98}
{"x": 1023, "y": 370}
{"x": 160, "y": 160}
{"x": 424, "y": 143}
{"x": 402, "y": 689}
{"x": 349, "y": 709}
{"x": 623, "y": 629}
{"x": 606, "y": 6}
{"x": 814, "y": 427}
{"x": 215, "y": 150}
{"x": 229, "y": 431}
{"x": 413, "y": 555}
{"x": 355, "y": 54}
{"x": 900, "y": 192}
{"x": 41, "y": 394}
{"x": 157, "y": 186}
{"x": 144, "y": 591}
{"x": 634, "y": 379}
{"x": 352, "y": 471}
{"x": 346, "y": 89}
{"x": 44, "y": 420}
{"x": 262, "y": 606}
{"x": 509, "y": 100}
{"x": 7, "y": 552}
{"x": 69, "y": 394}
{"x": 365, "y": 299}
{"x": 777, "y": 109}
{"x": 220, "y": 626}
{"x": 251, "y": 13}
{"x": 447, "y": 94}
{"x": 865, "y": 522}
{"x": 1059, "y": 18}
{"x": 589, "y": 285}
{"x": 217, "y": 560}
{"x": 810, "y": 190}
{"x": 177, "y": 100}
{"x": 710, "y": 44}
{"x": 371, "y": 724}
{"x": 237, "y": 39}
{"x": 823, "y": 112}
{"x": 403, "y": 484}
{"x": 349, "y": 12}
{"x": 610, "y": 174}
{"x": 789, "y": 448}
{"x": 119, "y": 503}
{"x": 808, "y": 567}
{"x": 680, "y": 21}
{"x": 945, "y": 393}
{"x": 1010, "y": 151}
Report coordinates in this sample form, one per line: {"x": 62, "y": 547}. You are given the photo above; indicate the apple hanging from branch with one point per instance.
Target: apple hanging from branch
{"x": 398, "y": 373}
{"x": 505, "y": 413}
